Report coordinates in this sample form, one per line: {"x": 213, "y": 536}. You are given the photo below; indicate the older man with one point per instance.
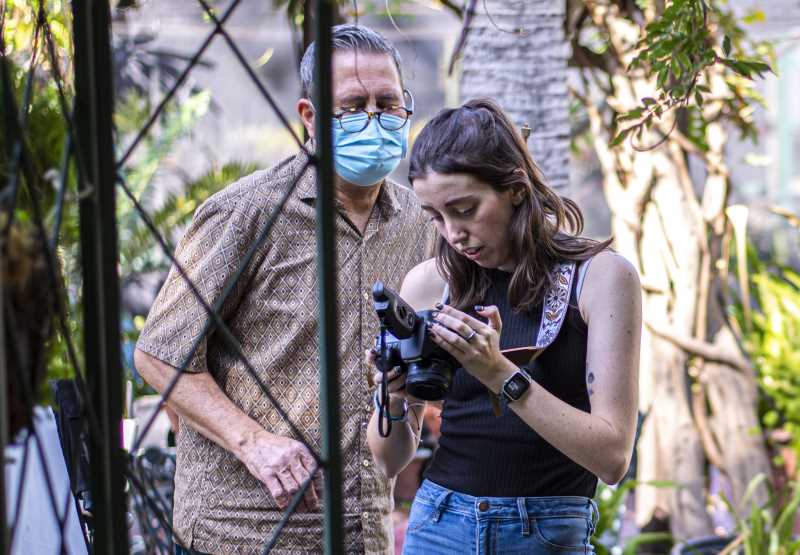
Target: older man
{"x": 238, "y": 460}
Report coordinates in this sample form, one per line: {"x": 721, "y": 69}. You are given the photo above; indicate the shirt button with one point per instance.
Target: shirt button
{"x": 366, "y": 296}
{"x": 365, "y": 515}
{"x": 483, "y": 506}
{"x": 365, "y": 462}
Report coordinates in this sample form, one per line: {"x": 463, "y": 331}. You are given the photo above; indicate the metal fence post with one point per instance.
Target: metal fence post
{"x": 93, "y": 115}
{"x": 326, "y": 257}
{"x": 4, "y": 431}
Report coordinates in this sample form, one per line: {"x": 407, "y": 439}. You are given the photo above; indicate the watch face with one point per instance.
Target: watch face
{"x": 516, "y": 386}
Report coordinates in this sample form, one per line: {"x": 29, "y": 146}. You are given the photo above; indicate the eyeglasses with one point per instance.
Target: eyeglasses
{"x": 355, "y": 120}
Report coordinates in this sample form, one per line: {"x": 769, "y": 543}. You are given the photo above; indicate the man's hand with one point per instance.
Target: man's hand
{"x": 283, "y": 465}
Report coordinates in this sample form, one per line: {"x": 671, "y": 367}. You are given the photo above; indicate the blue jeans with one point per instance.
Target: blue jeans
{"x": 445, "y": 522}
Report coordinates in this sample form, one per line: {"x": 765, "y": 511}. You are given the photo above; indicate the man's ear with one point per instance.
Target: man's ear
{"x": 306, "y": 112}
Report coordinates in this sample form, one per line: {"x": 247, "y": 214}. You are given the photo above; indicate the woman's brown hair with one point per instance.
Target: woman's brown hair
{"x": 479, "y": 139}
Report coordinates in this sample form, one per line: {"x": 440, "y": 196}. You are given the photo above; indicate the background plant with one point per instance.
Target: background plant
{"x": 610, "y": 502}
{"x": 766, "y": 308}
{"x": 768, "y": 528}
{"x": 38, "y": 61}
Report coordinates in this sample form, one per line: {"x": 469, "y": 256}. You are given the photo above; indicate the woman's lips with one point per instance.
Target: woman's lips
{"x": 473, "y": 253}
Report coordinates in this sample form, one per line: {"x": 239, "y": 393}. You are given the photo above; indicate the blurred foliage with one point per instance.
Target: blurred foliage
{"x": 610, "y": 502}
{"x": 772, "y": 337}
{"x": 27, "y": 302}
{"x": 45, "y": 132}
{"x": 19, "y": 28}
{"x": 767, "y": 529}
{"x": 678, "y": 47}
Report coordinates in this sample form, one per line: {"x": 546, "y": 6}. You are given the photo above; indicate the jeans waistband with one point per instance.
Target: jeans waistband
{"x": 442, "y": 499}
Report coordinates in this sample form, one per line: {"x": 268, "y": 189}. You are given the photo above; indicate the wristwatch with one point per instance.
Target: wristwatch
{"x": 516, "y": 385}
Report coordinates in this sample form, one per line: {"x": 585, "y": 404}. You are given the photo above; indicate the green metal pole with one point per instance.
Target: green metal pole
{"x": 5, "y": 548}
{"x": 326, "y": 257}
{"x": 94, "y": 105}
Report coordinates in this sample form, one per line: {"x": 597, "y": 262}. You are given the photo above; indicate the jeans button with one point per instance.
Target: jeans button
{"x": 483, "y": 506}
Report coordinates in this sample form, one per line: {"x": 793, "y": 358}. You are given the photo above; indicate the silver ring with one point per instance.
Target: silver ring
{"x": 472, "y": 334}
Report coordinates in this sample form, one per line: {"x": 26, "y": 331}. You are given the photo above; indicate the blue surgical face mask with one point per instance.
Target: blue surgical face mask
{"x": 366, "y": 157}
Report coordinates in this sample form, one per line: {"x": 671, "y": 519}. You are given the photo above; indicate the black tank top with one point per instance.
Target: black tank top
{"x": 483, "y": 455}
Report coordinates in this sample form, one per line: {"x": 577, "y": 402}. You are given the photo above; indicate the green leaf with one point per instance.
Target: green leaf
{"x": 755, "y": 16}
{"x": 726, "y": 46}
{"x": 621, "y": 136}
{"x": 632, "y": 545}
{"x": 662, "y": 78}
{"x": 754, "y": 484}
{"x": 785, "y": 523}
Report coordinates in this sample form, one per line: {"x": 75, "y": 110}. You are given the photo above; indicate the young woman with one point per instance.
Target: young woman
{"x": 522, "y": 444}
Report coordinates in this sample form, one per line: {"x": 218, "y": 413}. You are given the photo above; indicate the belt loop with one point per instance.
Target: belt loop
{"x": 437, "y": 504}
{"x": 523, "y": 516}
{"x": 595, "y": 514}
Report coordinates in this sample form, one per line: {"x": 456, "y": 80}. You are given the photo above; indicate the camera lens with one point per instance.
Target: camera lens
{"x": 430, "y": 381}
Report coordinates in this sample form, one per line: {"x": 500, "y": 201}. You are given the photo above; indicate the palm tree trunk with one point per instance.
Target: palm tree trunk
{"x": 516, "y": 54}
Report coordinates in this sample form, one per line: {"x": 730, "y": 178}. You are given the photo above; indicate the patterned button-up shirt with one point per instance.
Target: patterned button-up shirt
{"x": 272, "y": 311}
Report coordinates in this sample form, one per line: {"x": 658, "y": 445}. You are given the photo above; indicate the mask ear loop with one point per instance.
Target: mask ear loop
{"x": 409, "y": 98}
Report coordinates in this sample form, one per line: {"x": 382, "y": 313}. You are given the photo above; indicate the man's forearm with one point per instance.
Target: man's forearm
{"x": 198, "y": 399}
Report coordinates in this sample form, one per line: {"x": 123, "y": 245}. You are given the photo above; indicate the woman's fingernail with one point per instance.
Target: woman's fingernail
{"x": 479, "y": 308}
{"x": 434, "y": 313}
{"x": 440, "y": 306}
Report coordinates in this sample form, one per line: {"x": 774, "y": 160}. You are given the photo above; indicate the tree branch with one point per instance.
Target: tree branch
{"x": 702, "y": 349}
{"x": 453, "y": 8}
{"x": 710, "y": 445}
{"x": 462, "y": 38}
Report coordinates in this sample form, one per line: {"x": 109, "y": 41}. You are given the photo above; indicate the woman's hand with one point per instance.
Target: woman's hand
{"x": 474, "y": 344}
{"x": 396, "y": 380}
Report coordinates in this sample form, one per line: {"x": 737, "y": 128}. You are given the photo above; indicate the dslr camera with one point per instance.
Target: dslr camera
{"x": 404, "y": 341}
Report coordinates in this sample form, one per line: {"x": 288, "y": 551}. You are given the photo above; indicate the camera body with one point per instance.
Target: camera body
{"x": 405, "y": 342}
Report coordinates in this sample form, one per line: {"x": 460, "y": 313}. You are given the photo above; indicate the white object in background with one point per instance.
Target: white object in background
{"x": 128, "y": 433}
{"x": 37, "y": 525}
{"x": 143, "y": 409}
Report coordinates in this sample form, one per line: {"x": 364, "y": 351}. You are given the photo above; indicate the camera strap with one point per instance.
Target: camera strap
{"x": 555, "y": 305}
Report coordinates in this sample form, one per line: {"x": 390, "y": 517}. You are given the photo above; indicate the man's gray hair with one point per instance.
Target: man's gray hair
{"x": 348, "y": 37}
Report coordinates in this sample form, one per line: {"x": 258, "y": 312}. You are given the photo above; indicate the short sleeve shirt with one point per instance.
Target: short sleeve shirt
{"x": 271, "y": 311}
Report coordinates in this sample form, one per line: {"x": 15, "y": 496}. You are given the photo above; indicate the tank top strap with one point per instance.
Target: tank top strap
{"x": 445, "y": 294}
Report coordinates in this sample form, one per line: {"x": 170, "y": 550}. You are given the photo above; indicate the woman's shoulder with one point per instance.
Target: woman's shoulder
{"x": 423, "y": 286}
{"x": 614, "y": 262}
{"x": 608, "y": 260}
{"x": 607, "y": 275}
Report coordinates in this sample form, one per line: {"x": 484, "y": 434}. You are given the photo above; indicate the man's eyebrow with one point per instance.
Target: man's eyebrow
{"x": 353, "y": 99}
{"x": 387, "y": 97}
